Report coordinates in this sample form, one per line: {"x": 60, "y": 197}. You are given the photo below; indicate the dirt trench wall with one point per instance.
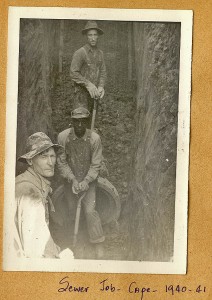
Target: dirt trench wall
{"x": 38, "y": 66}
{"x": 152, "y": 196}
{"x": 137, "y": 120}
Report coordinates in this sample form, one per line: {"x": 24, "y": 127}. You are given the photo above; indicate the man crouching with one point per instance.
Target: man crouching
{"x": 79, "y": 164}
{"x": 32, "y": 189}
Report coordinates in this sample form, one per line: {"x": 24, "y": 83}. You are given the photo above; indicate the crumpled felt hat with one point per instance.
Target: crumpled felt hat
{"x": 92, "y": 25}
{"x": 80, "y": 113}
{"x": 37, "y": 143}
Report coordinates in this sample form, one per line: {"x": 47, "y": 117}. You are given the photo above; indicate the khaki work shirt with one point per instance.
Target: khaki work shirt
{"x": 96, "y": 156}
{"x": 88, "y": 65}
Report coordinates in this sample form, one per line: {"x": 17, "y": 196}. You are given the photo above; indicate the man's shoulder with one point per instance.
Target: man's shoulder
{"x": 23, "y": 178}
{"x": 63, "y": 135}
{"x": 101, "y": 51}
{"x": 94, "y": 135}
{"x": 80, "y": 51}
{"x": 25, "y": 187}
{"x": 64, "y": 132}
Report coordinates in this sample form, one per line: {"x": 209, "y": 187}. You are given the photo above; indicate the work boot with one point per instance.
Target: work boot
{"x": 99, "y": 251}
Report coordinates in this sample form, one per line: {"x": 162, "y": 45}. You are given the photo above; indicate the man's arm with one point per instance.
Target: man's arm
{"x": 96, "y": 160}
{"x": 79, "y": 58}
{"x": 33, "y": 229}
{"x": 76, "y": 66}
{"x": 62, "y": 164}
{"x": 103, "y": 73}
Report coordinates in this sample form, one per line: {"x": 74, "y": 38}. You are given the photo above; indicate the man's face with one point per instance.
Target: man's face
{"x": 44, "y": 163}
{"x": 80, "y": 126}
{"x": 92, "y": 37}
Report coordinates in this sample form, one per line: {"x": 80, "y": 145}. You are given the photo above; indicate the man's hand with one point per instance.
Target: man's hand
{"x": 66, "y": 254}
{"x": 83, "y": 186}
{"x": 75, "y": 186}
{"x": 101, "y": 92}
{"x": 93, "y": 91}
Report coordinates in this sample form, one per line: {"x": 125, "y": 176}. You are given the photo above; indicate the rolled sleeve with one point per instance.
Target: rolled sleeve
{"x": 103, "y": 72}
{"x": 96, "y": 159}
{"x": 76, "y": 66}
{"x": 62, "y": 164}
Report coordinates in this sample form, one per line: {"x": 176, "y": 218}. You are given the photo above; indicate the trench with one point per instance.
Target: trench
{"x": 137, "y": 122}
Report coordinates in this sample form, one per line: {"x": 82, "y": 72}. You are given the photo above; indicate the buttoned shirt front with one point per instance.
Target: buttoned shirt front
{"x": 96, "y": 155}
{"x": 88, "y": 65}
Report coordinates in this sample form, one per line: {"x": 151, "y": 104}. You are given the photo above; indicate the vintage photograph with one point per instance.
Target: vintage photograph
{"x": 97, "y": 140}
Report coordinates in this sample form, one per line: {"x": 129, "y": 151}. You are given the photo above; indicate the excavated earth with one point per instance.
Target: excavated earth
{"x": 137, "y": 122}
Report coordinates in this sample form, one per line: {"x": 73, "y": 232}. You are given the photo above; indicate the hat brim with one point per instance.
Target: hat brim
{"x": 33, "y": 153}
{"x": 100, "y": 31}
{"x": 80, "y": 117}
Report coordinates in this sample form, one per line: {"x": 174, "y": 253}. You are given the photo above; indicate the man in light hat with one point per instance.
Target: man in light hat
{"x": 32, "y": 237}
{"x": 79, "y": 164}
{"x": 88, "y": 69}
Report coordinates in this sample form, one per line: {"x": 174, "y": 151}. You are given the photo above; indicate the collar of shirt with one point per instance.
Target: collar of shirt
{"x": 84, "y": 137}
{"x": 42, "y": 183}
{"x": 90, "y": 49}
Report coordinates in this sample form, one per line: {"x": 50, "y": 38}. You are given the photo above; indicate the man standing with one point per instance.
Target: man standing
{"x": 88, "y": 69}
{"x": 32, "y": 237}
{"x": 79, "y": 164}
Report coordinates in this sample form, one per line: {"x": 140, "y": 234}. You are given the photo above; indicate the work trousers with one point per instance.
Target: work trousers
{"x": 93, "y": 221}
{"x": 82, "y": 98}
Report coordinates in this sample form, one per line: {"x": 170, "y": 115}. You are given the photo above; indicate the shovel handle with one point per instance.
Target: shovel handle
{"x": 76, "y": 226}
{"x": 94, "y": 115}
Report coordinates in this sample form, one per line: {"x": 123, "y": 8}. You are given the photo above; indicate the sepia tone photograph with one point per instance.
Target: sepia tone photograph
{"x": 97, "y": 136}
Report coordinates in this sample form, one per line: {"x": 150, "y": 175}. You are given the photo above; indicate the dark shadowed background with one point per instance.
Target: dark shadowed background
{"x": 137, "y": 120}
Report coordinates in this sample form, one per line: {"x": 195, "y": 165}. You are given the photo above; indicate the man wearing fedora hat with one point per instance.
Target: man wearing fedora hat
{"x": 88, "y": 69}
{"x": 79, "y": 163}
{"x": 32, "y": 237}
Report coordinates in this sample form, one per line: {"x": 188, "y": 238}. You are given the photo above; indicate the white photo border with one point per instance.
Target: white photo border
{"x": 179, "y": 263}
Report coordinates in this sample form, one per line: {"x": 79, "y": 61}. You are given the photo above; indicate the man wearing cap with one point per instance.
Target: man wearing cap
{"x": 79, "y": 164}
{"x": 88, "y": 69}
{"x": 32, "y": 237}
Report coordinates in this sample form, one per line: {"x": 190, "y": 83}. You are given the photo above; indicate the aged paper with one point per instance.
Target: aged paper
{"x": 166, "y": 264}
{"x": 38, "y": 285}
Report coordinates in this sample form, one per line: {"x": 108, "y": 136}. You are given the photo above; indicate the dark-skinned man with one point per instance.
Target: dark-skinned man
{"x": 79, "y": 164}
{"x": 88, "y": 69}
